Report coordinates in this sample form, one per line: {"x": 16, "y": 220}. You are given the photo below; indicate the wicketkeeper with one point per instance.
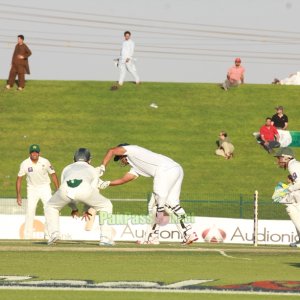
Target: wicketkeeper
{"x": 286, "y": 160}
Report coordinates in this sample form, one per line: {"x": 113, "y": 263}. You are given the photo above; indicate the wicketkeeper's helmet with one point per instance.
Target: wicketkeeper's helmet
{"x": 82, "y": 154}
{"x": 285, "y": 152}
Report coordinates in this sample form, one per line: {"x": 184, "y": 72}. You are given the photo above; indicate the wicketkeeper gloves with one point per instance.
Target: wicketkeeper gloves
{"x": 281, "y": 190}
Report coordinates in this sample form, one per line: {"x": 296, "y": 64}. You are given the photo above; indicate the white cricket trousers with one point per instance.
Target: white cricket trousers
{"x": 34, "y": 194}
{"x": 130, "y": 67}
{"x": 166, "y": 191}
{"x": 167, "y": 186}
{"x": 83, "y": 193}
{"x": 293, "y": 209}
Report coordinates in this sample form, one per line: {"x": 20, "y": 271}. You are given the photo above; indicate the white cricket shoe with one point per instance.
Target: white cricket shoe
{"x": 152, "y": 242}
{"x": 8, "y": 87}
{"x": 107, "y": 243}
{"x": 104, "y": 241}
{"x": 53, "y": 240}
{"x": 295, "y": 245}
{"x": 190, "y": 239}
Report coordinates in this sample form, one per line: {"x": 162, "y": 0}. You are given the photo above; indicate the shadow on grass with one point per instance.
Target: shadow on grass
{"x": 296, "y": 265}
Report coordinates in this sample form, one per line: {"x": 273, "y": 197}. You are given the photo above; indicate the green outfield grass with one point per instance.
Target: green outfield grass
{"x": 64, "y": 115}
{"x": 63, "y": 295}
{"x": 166, "y": 264}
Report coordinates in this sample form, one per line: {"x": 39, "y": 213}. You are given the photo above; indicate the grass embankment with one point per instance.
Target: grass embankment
{"x": 64, "y": 115}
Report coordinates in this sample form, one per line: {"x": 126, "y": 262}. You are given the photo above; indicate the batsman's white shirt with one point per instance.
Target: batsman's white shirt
{"x": 36, "y": 173}
{"x": 145, "y": 162}
{"x": 127, "y": 50}
{"x": 167, "y": 173}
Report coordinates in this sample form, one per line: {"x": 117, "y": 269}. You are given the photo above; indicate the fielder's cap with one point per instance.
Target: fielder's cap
{"x": 238, "y": 60}
{"x": 285, "y": 151}
{"x": 279, "y": 107}
{"x": 34, "y": 148}
{"x": 117, "y": 157}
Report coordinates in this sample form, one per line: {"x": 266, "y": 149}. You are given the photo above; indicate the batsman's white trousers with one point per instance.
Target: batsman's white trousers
{"x": 293, "y": 209}
{"x": 34, "y": 194}
{"x": 130, "y": 67}
{"x": 83, "y": 193}
{"x": 167, "y": 186}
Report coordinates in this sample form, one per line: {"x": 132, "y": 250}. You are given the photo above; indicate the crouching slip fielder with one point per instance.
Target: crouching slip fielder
{"x": 167, "y": 175}
{"x": 79, "y": 183}
{"x": 286, "y": 160}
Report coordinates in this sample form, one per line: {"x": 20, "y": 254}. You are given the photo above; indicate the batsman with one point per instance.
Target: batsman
{"x": 167, "y": 179}
{"x": 286, "y": 160}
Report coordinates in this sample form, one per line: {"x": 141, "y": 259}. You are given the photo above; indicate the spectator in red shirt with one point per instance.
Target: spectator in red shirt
{"x": 269, "y": 136}
{"x": 235, "y": 75}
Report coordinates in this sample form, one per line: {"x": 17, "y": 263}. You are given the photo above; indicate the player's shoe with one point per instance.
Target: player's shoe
{"x": 190, "y": 239}
{"x": 147, "y": 242}
{"x": 107, "y": 243}
{"x": 20, "y": 89}
{"x": 104, "y": 241}
{"x": 8, "y": 87}
{"x": 53, "y": 240}
{"x": 296, "y": 244}
{"x": 151, "y": 242}
{"x": 114, "y": 88}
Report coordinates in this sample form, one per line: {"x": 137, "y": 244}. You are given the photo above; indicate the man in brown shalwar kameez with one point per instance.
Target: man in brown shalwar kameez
{"x": 19, "y": 64}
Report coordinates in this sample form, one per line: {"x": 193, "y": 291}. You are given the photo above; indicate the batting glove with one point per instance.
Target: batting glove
{"x": 101, "y": 170}
{"x": 103, "y": 184}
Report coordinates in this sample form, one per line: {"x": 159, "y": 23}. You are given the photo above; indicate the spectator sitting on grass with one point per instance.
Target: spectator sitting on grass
{"x": 280, "y": 120}
{"x": 235, "y": 75}
{"x": 225, "y": 147}
{"x": 269, "y": 136}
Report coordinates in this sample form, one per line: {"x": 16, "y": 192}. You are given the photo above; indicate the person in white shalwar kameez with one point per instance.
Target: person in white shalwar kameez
{"x": 126, "y": 60}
